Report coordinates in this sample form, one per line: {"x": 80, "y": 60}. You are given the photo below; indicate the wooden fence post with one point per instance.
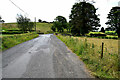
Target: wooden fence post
{"x": 102, "y": 50}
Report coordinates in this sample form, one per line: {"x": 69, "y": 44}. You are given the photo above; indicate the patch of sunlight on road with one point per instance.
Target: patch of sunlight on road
{"x": 46, "y": 35}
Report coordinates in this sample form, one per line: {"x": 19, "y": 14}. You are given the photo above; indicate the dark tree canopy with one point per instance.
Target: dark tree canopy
{"x": 39, "y": 20}
{"x": 1, "y": 20}
{"x": 102, "y": 30}
{"x": 114, "y": 20}
{"x": 60, "y": 24}
{"x": 83, "y": 18}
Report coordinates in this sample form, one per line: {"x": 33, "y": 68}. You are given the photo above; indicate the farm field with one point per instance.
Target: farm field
{"x": 89, "y": 50}
{"x": 110, "y": 45}
{"x": 42, "y": 27}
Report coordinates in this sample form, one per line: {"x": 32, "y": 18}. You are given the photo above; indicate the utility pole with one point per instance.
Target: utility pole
{"x": 35, "y": 23}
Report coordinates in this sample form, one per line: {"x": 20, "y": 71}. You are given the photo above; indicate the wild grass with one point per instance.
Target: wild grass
{"x": 89, "y": 50}
{"x": 42, "y": 27}
{"x": 9, "y": 26}
{"x": 12, "y": 40}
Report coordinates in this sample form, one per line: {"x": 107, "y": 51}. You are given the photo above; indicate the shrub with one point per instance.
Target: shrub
{"x": 110, "y": 32}
{"x": 24, "y": 23}
{"x": 12, "y": 32}
{"x": 96, "y": 34}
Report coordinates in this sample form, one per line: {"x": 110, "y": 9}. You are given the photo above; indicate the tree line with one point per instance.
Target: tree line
{"x": 83, "y": 19}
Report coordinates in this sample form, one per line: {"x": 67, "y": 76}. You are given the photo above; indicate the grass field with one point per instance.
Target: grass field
{"x": 89, "y": 50}
{"x": 42, "y": 27}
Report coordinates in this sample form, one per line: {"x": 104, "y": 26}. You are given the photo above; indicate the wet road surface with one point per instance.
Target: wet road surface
{"x": 43, "y": 57}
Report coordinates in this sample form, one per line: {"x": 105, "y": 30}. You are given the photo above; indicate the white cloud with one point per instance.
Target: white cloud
{"x": 43, "y": 9}
{"x": 49, "y": 9}
{"x": 104, "y": 7}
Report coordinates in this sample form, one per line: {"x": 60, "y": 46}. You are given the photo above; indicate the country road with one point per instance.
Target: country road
{"x": 43, "y": 57}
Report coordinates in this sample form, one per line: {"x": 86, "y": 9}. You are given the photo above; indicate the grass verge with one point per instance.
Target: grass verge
{"x": 12, "y": 40}
{"x": 90, "y": 52}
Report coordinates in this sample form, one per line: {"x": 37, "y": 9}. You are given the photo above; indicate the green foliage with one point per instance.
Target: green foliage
{"x": 12, "y": 32}
{"x": 96, "y": 34}
{"x": 1, "y": 20}
{"x": 10, "y": 41}
{"x": 111, "y": 37}
{"x": 41, "y": 27}
{"x": 102, "y": 35}
{"x": 60, "y": 24}
{"x": 83, "y": 18}
{"x": 53, "y": 28}
{"x": 102, "y": 30}
{"x": 111, "y": 33}
{"x": 24, "y": 23}
{"x": 90, "y": 54}
{"x": 114, "y": 20}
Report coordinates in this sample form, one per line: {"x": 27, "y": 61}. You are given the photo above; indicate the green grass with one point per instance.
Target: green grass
{"x": 42, "y": 27}
{"x": 111, "y": 33}
{"x": 9, "y": 41}
{"x": 89, "y": 50}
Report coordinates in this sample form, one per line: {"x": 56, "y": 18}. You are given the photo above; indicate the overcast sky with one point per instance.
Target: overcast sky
{"x": 48, "y": 9}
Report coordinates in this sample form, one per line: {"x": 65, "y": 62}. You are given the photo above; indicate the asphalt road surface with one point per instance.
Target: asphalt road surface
{"x": 43, "y": 57}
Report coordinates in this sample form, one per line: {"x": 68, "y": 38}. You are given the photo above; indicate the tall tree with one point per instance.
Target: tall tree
{"x": 1, "y": 20}
{"x": 24, "y": 23}
{"x": 39, "y": 20}
{"x": 114, "y": 20}
{"x": 60, "y": 23}
{"x": 83, "y": 18}
{"x": 102, "y": 30}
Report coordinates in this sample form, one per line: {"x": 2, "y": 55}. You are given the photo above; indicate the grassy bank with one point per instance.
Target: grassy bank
{"x": 89, "y": 50}
{"x": 42, "y": 27}
{"x": 12, "y": 40}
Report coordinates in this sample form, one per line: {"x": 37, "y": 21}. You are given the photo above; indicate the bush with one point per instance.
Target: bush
{"x": 96, "y": 34}
{"x": 110, "y": 32}
{"x": 111, "y": 37}
{"x": 12, "y": 32}
{"x": 24, "y": 23}
{"x": 10, "y": 41}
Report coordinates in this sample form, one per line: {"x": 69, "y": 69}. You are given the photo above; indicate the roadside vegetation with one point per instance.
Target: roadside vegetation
{"x": 83, "y": 25}
{"x": 9, "y": 41}
{"x": 89, "y": 50}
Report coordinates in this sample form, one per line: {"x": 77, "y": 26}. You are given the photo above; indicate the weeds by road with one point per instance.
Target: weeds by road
{"x": 89, "y": 50}
{"x": 12, "y": 40}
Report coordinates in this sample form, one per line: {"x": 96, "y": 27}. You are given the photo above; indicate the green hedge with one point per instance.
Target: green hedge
{"x": 102, "y": 35}
{"x": 12, "y": 32}
{"x": 110, "y": 33}
{"x": 96, "y": 34}
{"x": 10, "y": 41}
